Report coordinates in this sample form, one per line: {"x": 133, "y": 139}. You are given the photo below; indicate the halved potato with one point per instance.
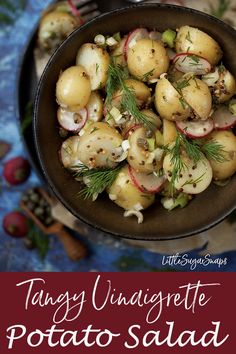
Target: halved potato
{"x": 54, "y": 27}
{"x": 192, "y": 179}
{"x": 118, "y": 53}
{"x": 73, "y": 88}
{"x": 197, "y": 94}
{"x": 95, "y": 107}
{"x": 169, "y": 103}
{"x": 147, "y": 59}
{"x": 152, "y": 117}
{"x": 169, "y": 132}
{"x": 126, "y": 195}
{"x": 139, "y": 156}
{"x": 225, "y": 169}
{"x": 141, "y": 92}
{"x": 100, "y": 146}
{"x": 192, "y": 40}
{"x": 225, "y": 88}
{"x": 96, "y": 61}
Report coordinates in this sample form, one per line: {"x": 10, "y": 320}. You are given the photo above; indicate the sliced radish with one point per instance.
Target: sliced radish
{"x": 171, "y": 53}
{"x": 211, "y": 78}
{"x": 133, "y": 37}
{"x": 223, "y": 118}
{"x": 188, "y": 62}
{"x": 146, "y": 182}
{"x": 126, "y": 133}
{"x": 155, "y": 35}
{"x": 69, "y": 151}
{"x": 72, "y": 121}
{"x": 196, "y": 128}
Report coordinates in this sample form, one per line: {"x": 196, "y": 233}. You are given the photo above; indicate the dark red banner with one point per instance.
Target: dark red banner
{"x": 117, "y": 313}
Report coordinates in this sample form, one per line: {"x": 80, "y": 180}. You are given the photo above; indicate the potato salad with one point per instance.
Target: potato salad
{"x": 148, "y": 117}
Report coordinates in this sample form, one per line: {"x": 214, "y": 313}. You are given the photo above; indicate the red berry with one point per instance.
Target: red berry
{"x": 16, "y": 170}
{"x": 15, "y": 224}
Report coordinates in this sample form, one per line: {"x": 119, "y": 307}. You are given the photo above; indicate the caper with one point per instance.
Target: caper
{"x": 39, "y": 211}
{"x": 30, "y": 205}
{"x": 34, "y": 197}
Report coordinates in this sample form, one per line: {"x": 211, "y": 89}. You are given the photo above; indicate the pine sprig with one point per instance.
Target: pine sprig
{"x": 116, "y": 80}
{"x": 97, "y": 180}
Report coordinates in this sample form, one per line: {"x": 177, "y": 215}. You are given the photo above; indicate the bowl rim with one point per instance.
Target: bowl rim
{"x": 35, "y": 122}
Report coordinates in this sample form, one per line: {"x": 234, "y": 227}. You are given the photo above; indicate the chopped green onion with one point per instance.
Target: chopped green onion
{"x": 168, "y": 37}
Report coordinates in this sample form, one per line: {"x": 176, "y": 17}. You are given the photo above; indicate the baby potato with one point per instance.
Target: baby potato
{"x": 54, "y": 27}
{"x": 194, "y": 178}
{"x": 126, "y": 195}
{"x": 138, "y": 155}
{"x": 100, "y": 146}
{"x": 225, "y": 169}
{"x": 73, "y": 88}
{"x": 197, "y": 94}
{"x": 95, "y": 107}
{"x": 225, "y": 88}
{"x": 192, "y": 40}
{"x": 96, "y": 61}
{"x": 152, "y": 117}
{"x": 141, "y": 92}
{"x": 118, "y": 53}
{"x": 169, "y": 132}
{"x": 147, "y": 59}
{"x": 169, "y": 103}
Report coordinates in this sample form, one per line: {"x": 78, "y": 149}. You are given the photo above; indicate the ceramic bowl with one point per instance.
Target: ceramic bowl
{"x": 206, "y": 209}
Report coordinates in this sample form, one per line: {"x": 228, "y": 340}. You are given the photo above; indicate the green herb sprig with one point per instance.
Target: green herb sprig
{"x": 116, "y": 80}
{"x": 98, "y": 179}
{"x": 195, "y": 149}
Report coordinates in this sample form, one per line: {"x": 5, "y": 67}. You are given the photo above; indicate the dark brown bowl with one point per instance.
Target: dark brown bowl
{"x": 207, "y": 209}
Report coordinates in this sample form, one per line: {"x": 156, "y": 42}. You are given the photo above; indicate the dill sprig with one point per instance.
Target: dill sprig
{"x": 214, "y": 151}
{"x": 97, "y": 180}
{"x": 195, "y": 149}
{"x": 115, "y": 81}
{"x": 176, "y": 160}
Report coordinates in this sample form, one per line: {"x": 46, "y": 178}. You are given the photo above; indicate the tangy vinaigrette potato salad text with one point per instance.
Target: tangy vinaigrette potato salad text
{"x": 148, "y": 114}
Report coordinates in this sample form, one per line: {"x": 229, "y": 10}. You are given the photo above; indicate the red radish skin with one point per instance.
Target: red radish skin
{"x": 223, "y": 118}
{"x": 185, "y": 64}
{"x": 138, "y": 33}
{"x": 146, "y": 183}
{"x": 195, "y": 128}
{"x": 68, "y": 123}
{"x": 130, "y": 130}
{"x": 16, "y": 170}
{"x": 15, "y": 224}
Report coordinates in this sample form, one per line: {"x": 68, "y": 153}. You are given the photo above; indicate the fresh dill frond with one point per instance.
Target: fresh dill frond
{"x": 176, "y": 160}
{"x": 115, "y": 76}
{"x": 196, "y": 150}
{"x": 192, "y": 148}
{"x": 181, "y": 84}
{"x": 194, "y": 181}
{"x": 214, "y": 151}
{"x": 188, "y": 37}
{"x": 116, "y": 80}
{"x": 97, "y": 180}
{"x": 147, "y": 75}
{"x": 129, "y": 104}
